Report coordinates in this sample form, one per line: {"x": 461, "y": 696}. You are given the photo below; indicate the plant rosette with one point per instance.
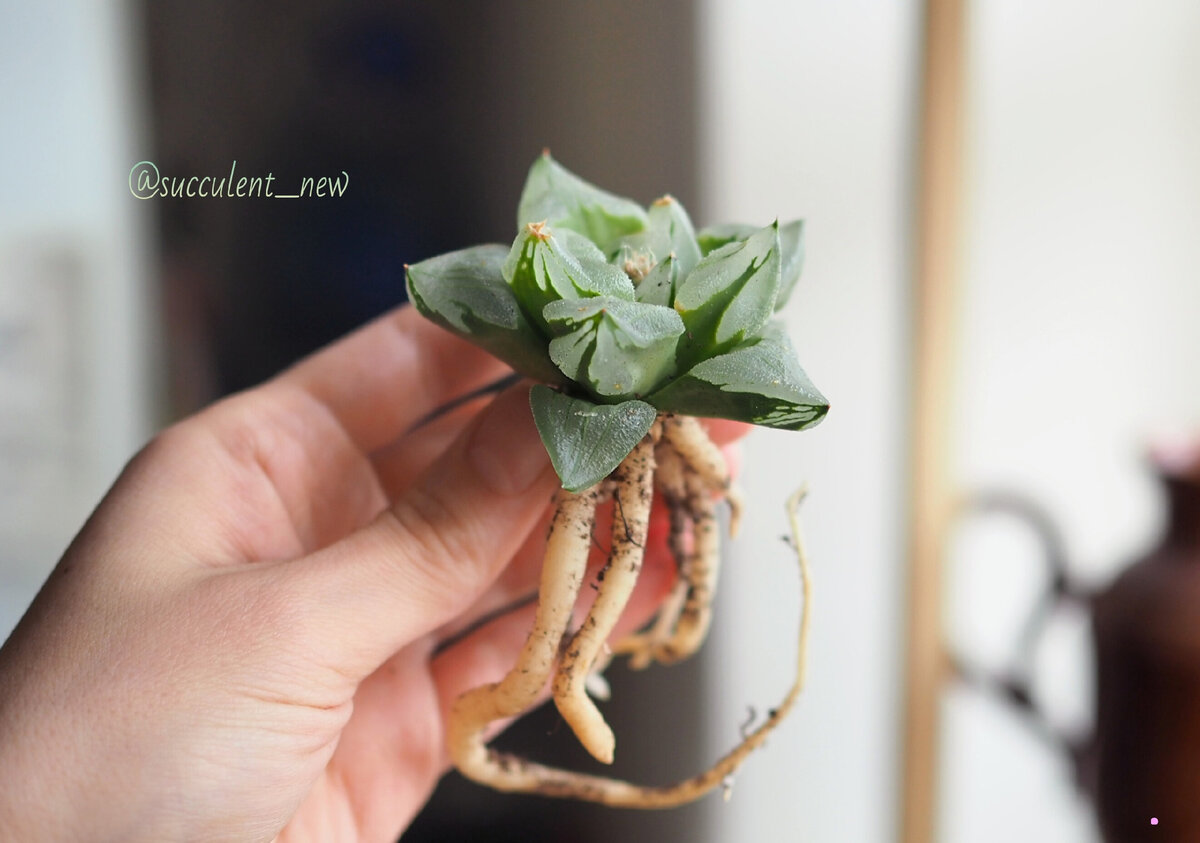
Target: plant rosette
{"x": 634, "y": 324}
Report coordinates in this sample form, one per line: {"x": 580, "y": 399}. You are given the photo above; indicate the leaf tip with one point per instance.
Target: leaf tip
{"x": 538, "y": 230}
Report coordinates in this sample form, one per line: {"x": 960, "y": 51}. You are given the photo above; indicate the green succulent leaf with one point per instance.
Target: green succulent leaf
{"x": 587, "y": 441}
{"x": 791, "y": 259}
{"x": 578, "y": 245}
{"x": 610, "y": 302}
{"x": 760, "y": 382}
{"x": 658, "y": 287}
{"x": 791, "y": 250}
{"x": 669, "y": 233}
{"x": 716, "y": 236}
{"x": 465, "y": 293}
{"x": 669, "y": 220}
{"x": 556, "y": 196}
{"x": 615, "y": 348}
{"x": 729, "y": 296}
{"x": 541, "y": 268}
{"x": 604, "y": 278}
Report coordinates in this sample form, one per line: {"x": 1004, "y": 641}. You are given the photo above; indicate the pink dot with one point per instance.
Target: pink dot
{"x": 1154, "y": 821}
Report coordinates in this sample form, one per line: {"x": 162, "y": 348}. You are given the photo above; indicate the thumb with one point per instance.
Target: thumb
{"x": 430, "y": 555}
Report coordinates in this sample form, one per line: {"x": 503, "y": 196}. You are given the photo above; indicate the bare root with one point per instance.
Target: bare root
{"x": 678, "y": 459}
{"x": 692, "y": 470}
{"x": 631, "y": 516}
{"x": 701, "y": 577}
{"x": 516, "y": 774}
{"x": 688, "y": 437}
{"x": 563, "y": 568}
{"x": 670, "y": 480}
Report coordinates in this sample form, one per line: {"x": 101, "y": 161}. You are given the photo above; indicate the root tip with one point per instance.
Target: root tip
{"x": 603, "y": 747}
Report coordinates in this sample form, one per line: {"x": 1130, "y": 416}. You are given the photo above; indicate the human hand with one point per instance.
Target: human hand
{"x": 244, "y": 640}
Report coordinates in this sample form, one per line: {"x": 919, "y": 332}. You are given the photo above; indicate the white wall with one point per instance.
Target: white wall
{"x": 1080, "y": 335}
{"x": 75, "y": 366}
{"x": 807, "y": 111}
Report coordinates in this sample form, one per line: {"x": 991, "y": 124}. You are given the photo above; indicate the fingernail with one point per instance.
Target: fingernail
{"x": 505, "y": 449}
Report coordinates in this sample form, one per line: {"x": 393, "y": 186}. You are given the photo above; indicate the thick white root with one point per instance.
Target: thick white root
{"x": 631, "y": 517}
{"x": 669, "y": 480}
{"x": 691, "y": 473}
{"x": 685, "y": 616}
{"x": 701, "y": 577}
{"x": 513, "y": 774}
{"x": 567, "y": 548}
{"x": 643, "y": 647}
{"x": 689, "y": 438}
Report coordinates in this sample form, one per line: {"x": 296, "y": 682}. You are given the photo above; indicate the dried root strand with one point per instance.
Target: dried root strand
{"x": 563, "y": 569}
{"x": 631, "y": 516}
{"x": 514, "y": 774}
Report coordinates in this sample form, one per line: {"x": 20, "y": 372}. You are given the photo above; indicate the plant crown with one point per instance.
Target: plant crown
{"x": 627, "y": 312}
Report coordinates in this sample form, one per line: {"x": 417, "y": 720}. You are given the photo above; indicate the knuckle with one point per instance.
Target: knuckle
{"x": 164, "y": 451}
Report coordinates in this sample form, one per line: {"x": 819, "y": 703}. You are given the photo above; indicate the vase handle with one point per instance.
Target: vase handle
{"x": 1014, "y": 684}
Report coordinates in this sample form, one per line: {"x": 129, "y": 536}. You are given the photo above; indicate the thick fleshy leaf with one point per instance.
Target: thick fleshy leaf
{"x": 791, "y": 250}
{"x": 668, "y": 233}
{"x": 617, "y": 349}
{"x": 658, "y": 286}
{"x": 542, "y": 268}
{"x": 607, "y": 280}
{"x": 465, "y": 293}
{"x": 716, "y": 236}
{"x": 578, "y": 245}
{"x": 667, "y": 215}
{"x": 556, "y": 196}
{"x": 791, "y": 259}
{"x": 587, "y": 441}
{"x": 760, "y": 382}
{"x": 729, "y": 296}
{"x": 602, "y": 277}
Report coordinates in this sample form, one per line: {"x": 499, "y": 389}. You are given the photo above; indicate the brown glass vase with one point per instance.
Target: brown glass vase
{"x": 1146, "y": 629}
{"x": 1141, "y": 766}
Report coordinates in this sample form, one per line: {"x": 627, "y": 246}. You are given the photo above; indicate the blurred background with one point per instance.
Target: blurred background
{"x": 1068, "y": 308}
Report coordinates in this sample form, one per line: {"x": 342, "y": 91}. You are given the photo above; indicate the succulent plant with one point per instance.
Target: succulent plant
{"x": 634, "y": 324}
{"x": 627, "y": 313}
